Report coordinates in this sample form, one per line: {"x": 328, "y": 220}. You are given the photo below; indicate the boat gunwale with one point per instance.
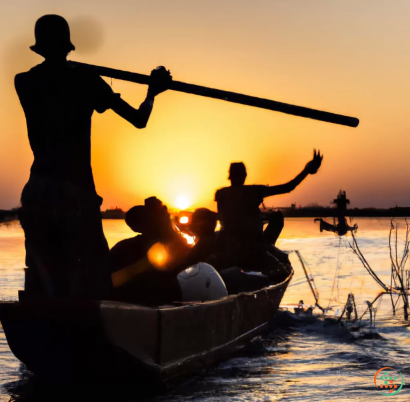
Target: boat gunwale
{"x": 52, "y": 309}
{"x": 135, "y": 306}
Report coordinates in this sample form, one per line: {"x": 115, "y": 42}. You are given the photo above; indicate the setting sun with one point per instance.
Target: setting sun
{"x": 182, "y": 202}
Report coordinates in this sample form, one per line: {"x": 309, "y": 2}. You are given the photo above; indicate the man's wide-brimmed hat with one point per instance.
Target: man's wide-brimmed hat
{"x": 52, "y": 33}
{"x": 237, "y": 168}
{"x": 143, "y": 217}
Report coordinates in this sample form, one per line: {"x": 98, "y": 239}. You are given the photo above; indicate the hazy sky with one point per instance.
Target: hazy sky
{"x": 346, "y": 56}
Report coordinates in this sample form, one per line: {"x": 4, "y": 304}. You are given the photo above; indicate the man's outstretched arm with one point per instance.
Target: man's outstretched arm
{"x": 139, "y": 117}
{"x": 310, "y": 168}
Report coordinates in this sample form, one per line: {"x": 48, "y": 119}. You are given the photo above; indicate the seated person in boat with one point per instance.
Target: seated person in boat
{"x": 240, "y": 216}
{"x": 145, "y": 267}
{"x": 202, "y": 226}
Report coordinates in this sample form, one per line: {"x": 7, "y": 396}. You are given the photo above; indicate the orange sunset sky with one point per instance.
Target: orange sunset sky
{"x": 350, "y": 57}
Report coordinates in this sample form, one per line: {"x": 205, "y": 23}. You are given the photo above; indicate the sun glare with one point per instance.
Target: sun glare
{"x": 184, "y": 219}
{"x": 158, "y": 256}
{"x": 189, "y": 239}
{"x": 182, "y": 202}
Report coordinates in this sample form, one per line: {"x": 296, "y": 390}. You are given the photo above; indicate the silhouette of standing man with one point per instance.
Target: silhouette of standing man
{"x": 66, "y": 251}
{"x": 238, "y": 206}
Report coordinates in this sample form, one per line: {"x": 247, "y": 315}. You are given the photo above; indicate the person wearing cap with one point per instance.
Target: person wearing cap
{"x": 238, "y": 206}
{"x": 66, "y": 251}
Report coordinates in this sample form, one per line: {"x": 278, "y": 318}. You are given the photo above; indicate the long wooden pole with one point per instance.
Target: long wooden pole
{"x": 226, "y": 96}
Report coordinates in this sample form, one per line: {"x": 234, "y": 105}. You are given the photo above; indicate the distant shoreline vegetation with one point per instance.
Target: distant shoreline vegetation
{"x": 8, "y": 215}
{"x": 309, "y": 211}
{"x": 113, "y": 213}
{"x": 318, "y": 211}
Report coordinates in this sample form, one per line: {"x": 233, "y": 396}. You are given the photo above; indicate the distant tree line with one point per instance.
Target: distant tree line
{"x": 317, "y": 211}
{"x": 309, "y": 211}
{"x": 113, "y": 213}
{"x": 8, "y": 214}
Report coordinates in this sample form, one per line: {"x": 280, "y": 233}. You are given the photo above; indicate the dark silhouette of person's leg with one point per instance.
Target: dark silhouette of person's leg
{"x": 274, "y": 228}
{"x": 67, "y": 253}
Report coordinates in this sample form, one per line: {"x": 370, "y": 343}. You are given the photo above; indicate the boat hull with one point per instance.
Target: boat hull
{"x": 72, "y": 340}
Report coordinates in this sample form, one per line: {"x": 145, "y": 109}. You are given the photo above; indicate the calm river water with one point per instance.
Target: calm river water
{"x": 305, "y": 359}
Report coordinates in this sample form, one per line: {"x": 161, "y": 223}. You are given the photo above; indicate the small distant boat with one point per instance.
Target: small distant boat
{"x": 107, "y": 340}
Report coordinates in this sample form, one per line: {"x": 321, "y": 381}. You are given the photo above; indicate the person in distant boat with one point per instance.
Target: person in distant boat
{"x": 66, "y": 251}
{"x": 342, "y": 227}
{"x": 238, "y": 206}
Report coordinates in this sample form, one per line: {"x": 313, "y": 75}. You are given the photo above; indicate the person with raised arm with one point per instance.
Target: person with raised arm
{"x": 238, "y": 206}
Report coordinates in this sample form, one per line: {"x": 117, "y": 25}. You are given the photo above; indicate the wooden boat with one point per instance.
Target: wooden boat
{"x": 72, "y": 340}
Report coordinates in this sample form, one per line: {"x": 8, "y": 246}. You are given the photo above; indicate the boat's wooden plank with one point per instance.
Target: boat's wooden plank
{"x": 189, "y": 331}
{"x": 134, "y": 330}
{"x": 115, "y": 338}
{"x": 210, "y": 356}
